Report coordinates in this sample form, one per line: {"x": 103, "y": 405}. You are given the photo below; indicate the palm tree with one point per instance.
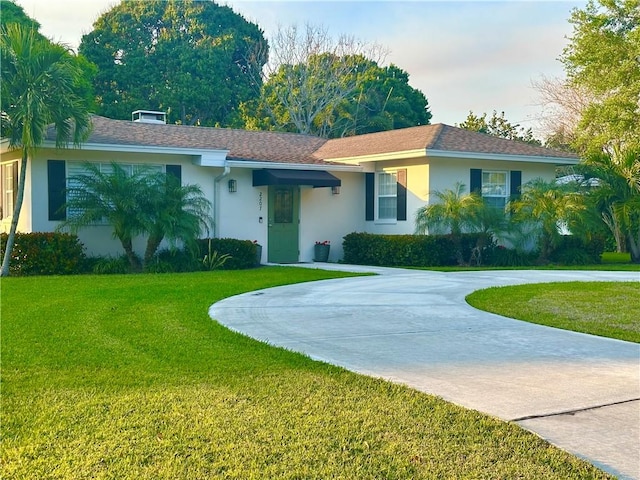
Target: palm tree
{"x": 613, "y": 184}
{"x": 175, "y": 212}
{"x": 40, "y": 85}
{"x": 454, "y": 212}
{"x": 137, "y": 202}
{"x": 115, "y": 197}
{"x": 549, "y": 205}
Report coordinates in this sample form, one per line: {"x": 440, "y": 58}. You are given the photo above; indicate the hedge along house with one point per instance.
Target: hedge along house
{"x": 286, "y": 191}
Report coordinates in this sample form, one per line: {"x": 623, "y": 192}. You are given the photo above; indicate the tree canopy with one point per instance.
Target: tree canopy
{"x": 498, "y": 126}
{"x": 361, "y": 97}
{"x": 603, "y": 57}
{"x": 315, "y": 84}
{"x": 188, "y": 58}
{"x": 13, "y": 13}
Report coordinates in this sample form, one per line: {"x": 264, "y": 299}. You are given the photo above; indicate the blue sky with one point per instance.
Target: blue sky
{"x": 471, "y": 55}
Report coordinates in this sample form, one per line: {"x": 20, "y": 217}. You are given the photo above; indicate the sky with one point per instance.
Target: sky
{"x": 464, "y": 56}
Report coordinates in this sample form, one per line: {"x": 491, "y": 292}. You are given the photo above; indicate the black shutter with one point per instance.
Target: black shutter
{"x": 175, "y": 170}
{"x": 401, "y": 197}
{"x": 369, "y": 179}
{"x": 475, "y": 181}
{"x": 56, "y": 176}
{"x": 516, "y": 183}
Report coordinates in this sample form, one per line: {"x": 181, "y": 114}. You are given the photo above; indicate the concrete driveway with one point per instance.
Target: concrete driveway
{"x": 580, "y": 392}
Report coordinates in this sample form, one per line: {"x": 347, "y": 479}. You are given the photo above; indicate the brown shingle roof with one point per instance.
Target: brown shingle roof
{"x": 431, "y": 137}
{"x": 242, "y": 144}
{"x": 306, "y": 149}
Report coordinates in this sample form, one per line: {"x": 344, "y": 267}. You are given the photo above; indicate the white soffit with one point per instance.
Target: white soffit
{"x": 380, "y": 157}
{"x": 503, "y": 157}
{"x": 293, "y": 166}
{"x": 205, "y": 158}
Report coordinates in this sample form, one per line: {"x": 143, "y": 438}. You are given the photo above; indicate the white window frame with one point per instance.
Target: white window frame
{"x": 384, "y": 191}
{"x": 7, "y": 187}
{"x": 494, "y": 191}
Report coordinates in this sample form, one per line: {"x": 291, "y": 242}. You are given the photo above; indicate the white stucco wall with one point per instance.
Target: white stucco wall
{"x": 417, "y": 193}
{"x": 24, "y": 222}
{"x": 244, "y": 213}
{"x": 325, "y": 216}
{"x": 447, "y": 171}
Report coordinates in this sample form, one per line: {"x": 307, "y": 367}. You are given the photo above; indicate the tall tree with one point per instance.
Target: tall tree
{"x": 603, "y": 57}
{"x": 613, "y": 185}
{"x": 563, "y": 104}
{"x": 498, "y": 126}
{"x": 309, "y": 75}
{"x": 382, "y": 100}
{"x": 41, "y": 85}
{"x": 13, "y": 13}
{"x": 368, "y": 98}
{"x": 186, "y": 57}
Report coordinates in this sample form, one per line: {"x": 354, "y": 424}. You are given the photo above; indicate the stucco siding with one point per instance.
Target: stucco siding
{"x": 417, "y": 193}
{"x": 325, "y": 216}
{"x": 447, "y": 171}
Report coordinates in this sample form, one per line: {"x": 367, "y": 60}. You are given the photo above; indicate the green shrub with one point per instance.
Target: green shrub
{"x": 174, "y": 260}
{"x": 109, "y": 265}
{"x": 509, "y": 257}
{"x": 407, "y": 250}
{"x": 242, "y": 252}
{"x": 45, "y": 254}
{"x": 573, "y": 250}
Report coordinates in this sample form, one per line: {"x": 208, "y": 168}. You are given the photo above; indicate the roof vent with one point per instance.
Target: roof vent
{"x": 149, "y": 116}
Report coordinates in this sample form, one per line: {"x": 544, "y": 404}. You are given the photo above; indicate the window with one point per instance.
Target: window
{"x": 78, "y": 168}
{"x": 387, "y": 195}
{"x": 495, "y": 189}
{"x": 9, "y": 186}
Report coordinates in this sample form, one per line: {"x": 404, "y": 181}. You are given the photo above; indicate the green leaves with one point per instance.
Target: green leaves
{"x": 136, "y": 202}
{"x": 602, "y": 56}
{"x": 498, "y": 126}
{"x": 41, "y": 85}
{"x": 613, "y": 187}
{"x": 186, "y": 57}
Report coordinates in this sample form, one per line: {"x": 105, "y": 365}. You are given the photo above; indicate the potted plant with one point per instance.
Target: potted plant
{"x": 258, "y": 252}
{"x": 321, "y": 251}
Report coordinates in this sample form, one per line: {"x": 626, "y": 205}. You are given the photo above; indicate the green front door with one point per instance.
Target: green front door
{"x": 284, "y": 215}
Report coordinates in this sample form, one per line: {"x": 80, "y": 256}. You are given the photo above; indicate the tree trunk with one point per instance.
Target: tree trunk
{"x": 153, "y": 242}
{"x": 134, "y": 263}
{"x": 610, "y": 221}
{"x": 634, "y": 247}
{"x": 16, "y": 215}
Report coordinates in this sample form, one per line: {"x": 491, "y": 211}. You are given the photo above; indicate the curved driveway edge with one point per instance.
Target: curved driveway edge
{"x": 578, "y": 391}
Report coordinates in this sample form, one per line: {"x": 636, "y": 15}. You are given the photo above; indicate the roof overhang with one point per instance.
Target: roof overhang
{"x": 503, "y": 157}
{"x": 200, "y": 157}
{"x": 313, "y": 178}
{"x": 252, "y": 164}
{"x": 381, "y": 157}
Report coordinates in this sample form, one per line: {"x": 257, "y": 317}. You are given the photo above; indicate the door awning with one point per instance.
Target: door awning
{"x": 314, "y": 178}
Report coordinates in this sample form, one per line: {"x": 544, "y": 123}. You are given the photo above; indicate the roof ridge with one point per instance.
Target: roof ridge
{"x": 439, "y": 128}
{"x": 226, "y": 129}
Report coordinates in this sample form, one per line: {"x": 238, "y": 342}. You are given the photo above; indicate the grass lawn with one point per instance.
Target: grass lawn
{"x": 608, "y": 309}
{"x": 126, "y": 377}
